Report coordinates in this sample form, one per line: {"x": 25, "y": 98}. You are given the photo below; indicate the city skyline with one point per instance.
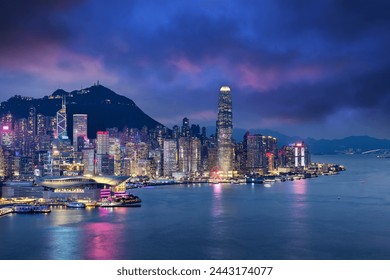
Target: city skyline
{"x": 316, "y": 70}
{"x": 39, "y": 145}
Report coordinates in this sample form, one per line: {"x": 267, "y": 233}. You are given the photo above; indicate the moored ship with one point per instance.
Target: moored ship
{"x": 75, "y": 204}
{"x": 124, "y": 201}
{"x": 30, "y": 208}
{"x": 5, "y": 211}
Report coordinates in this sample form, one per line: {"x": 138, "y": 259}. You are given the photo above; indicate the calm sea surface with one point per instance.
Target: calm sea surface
{"x": 301, "y": 219}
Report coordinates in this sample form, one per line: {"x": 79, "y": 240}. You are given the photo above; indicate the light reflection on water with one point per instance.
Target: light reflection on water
{"x": 101, "y": 240}
{"x": 217, "y": 229}
{"x": 301, "y": 219}
{"x": 217, "y": 208}
{"x": 299, "y": 215}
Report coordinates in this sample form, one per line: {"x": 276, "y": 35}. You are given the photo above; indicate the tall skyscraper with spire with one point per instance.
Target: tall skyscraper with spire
{"x": 61, "y": 121}
{"x": 224, "y": 132}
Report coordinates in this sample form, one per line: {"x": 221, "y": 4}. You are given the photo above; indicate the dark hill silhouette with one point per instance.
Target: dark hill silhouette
{"x": 105, "y": 109}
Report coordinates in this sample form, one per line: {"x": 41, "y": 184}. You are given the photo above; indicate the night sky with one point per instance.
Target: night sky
{"x": 309, "y": 68}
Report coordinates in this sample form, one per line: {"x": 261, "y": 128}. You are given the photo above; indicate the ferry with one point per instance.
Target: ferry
{"x": 29, "y": 208}
{"x": 75, "y": 204}
{"x": 88, "y": 203}
{"x": 125, "y": 201}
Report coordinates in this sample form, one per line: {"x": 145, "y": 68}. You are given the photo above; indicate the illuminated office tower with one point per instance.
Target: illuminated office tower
{"x": 89, "y": 161}
{"x": 44, "y": 132}
{"x": 102, "y": 143}
{"x": 3, "y": 165}
{"x": 7, "y": 136}
{"x": 102, "y": 149}
{"x": 32, "y": 122}
{"x": 42, "y": 125}
{"x": 224, "y": 132}
{"x": 255, "y": 154}
{"x": 170, "y": 157}
{"x": 295, "y": 155}
{"x": 195, "y": 157}
{"x": 115, "y": 153}
{"x": 185, "y": 129}
{"x": 79, "y": 129}
{"x": 301, "y": 155}
{"x": 184, "y": 155}
{"x": 61, "y": 121}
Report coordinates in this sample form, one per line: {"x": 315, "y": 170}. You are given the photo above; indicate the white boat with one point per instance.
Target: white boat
{"x": 87, "y": 202}
{"x": 109, "y": 204}
{"x": 75, "y": 204}
{"x": 269, "y": 181}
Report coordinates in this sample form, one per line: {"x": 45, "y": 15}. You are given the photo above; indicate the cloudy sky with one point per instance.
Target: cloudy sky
{"x": 307, "y": 68}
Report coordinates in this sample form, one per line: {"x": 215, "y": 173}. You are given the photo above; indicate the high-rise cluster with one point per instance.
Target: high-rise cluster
{"x": 39, "y": 145}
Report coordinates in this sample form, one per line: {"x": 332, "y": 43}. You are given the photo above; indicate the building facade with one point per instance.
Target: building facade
{"x": 225, "y": 132}
{"x": 79, "y": 129}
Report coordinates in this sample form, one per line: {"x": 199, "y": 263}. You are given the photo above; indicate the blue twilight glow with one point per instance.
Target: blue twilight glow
{"x": 292, "y": 66}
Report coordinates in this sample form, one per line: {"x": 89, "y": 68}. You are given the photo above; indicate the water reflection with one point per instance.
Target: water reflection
{"x": 102, "y": 241}
{"x": 63, "y": 236}
{"x": 216, "y": 249}
{"x": 299, "y": 218}
{"x": 300, "y": 186}
{"x": 217, "y": 209}
{"x": 62, "y": 216}
{"x": 299, "y": 205}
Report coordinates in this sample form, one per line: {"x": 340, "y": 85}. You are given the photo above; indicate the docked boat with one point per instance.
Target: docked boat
{"x": 75, "y": 204}
{"x": 269, "y": 181}
{"x": 5, "y": 211}
{"x": 255, "y": 180}
{"x": 109, "y": 204}
{"x": 41, "y": 209}
{"x": 30, "y": 208}
{"x": 88, "y": 203}
{"x": 125, "y": 201}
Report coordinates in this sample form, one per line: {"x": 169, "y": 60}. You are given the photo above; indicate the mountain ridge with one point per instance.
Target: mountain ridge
{"x": 104, "y": 107}
{"x": 349, "y": 144}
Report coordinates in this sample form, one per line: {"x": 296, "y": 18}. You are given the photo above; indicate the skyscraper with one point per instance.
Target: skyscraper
{"x": 79, "y": 128}
{"x": 32, "y": 122}
{"x": 102, "y": 149}
{"x": 170, "y": 157}
{"x": 185, "y": 129}
{"x": 61, "y": 121}
{"x": 224, "y": 132}
{"x": 89, "y": 161}
{"x": 102, "y": 146}
{"x": 255, "y": 153}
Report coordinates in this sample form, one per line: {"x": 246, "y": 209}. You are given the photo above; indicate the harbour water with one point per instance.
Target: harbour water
{"x": 345, "y": 216}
